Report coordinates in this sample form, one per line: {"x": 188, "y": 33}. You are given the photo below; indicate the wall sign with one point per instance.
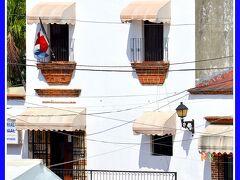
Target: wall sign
{"x": 13, "y": 135}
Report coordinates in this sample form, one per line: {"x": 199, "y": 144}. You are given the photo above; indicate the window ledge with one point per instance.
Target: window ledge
{"x": 58, "y": 92}
{"x": 151, "y": 72}
{"x": 57, "y": 72}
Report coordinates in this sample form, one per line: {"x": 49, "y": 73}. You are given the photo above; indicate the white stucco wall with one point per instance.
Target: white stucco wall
{"x": 107, "y": 44}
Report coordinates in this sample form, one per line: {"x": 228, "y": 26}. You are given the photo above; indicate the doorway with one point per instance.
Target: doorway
{"x": 61, "y": 151}
{"x": 56, "y": 148}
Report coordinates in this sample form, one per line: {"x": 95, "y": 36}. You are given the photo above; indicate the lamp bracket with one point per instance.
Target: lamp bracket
{"x": 185, "y": 125}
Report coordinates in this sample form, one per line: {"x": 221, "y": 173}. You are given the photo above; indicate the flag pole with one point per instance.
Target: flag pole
{"x": 44, "y": 32}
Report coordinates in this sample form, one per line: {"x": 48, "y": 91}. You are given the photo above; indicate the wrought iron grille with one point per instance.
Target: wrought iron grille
{"x": 140, "y": 53}
{"x": 41, "y": 144}
{"x": 59, "y": 35}
{"x": 116, "y": 175}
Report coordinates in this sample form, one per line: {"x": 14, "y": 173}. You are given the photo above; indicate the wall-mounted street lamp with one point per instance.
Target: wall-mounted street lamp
{"x": 182, "y": 113}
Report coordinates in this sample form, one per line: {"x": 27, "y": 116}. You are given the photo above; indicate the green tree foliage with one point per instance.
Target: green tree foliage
{"x": 16, "y": 41}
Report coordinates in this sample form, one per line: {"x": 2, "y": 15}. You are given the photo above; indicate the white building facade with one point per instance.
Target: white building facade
{"x": 102, "y": 96}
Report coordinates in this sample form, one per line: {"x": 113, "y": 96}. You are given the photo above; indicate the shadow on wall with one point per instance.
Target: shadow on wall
{"x": 131, "y": 34}
{"x": 14, "y": 149}
{"x": 136, "y": 45}
{"x": 134, "y": 32}
{"x": 19, "y": 150}
{"x": 40, "y": 77}
{"x": 198, "y": 97}
{"x": 25, "y": 145}
{"x": 147, "y": 160}
{"x": 16, "y": 103}
{"x": 207, "y": 170}
{"x": 186, "y": 141}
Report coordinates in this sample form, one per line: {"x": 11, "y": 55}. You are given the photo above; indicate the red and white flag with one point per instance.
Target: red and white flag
{"x": 41, "y": 46}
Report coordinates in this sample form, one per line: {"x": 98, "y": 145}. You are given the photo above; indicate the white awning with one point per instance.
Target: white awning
{"x": 155, "y": 123}
{"x": 216, "y": 138}
{"x": 69, "y": 119}
{"x": 153, "y": 10}
{"x": 53, "y": 12}
{"x": 16, "y": 92}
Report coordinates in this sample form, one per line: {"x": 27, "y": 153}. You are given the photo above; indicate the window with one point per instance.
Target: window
{"x": 59, "y": 42}
{"x": 53, "y": 148}
{"x": 228, "y": 167}
{"x": 151, "y": 46}
{"x": 153, "y": 41}
{"x": 162, "y": 145}
{"x": 39, "y": 146}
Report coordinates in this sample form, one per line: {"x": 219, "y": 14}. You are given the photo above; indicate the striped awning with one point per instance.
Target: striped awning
{"x": 69, "y": 119}
{"x": 52, "y": 12}
{"x": 153, "y": 10}
{"x": 216, "y": 138}
{"x": 155, "y": 123}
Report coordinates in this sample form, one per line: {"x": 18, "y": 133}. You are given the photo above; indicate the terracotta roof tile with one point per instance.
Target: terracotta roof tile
{"x": 221, "y": 84}
{"x": 219, "y": 119}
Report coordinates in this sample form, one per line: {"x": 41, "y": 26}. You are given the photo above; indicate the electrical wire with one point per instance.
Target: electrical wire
{"x": 109, "y": 96}
{"x": 121, "y": 110}
{"x": 131, "y": 146}
{"x": 125, "y": 122}
{"x": 128, "y": 122}
{"x": 118, "y": 22}
{"x": 109, "y": 152}
{"x": 146, "y": 142}
{"x": 180, "y": 63}
{"x": 131, "y": 71}
{"x": 116, "y": 119}
{"x": 121, "y": 23}
{"x": 216, "y": 134}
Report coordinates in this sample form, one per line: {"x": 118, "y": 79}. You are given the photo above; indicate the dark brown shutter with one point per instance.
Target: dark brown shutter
{"x": 59, "y": 42}
{"x": 153, "y": 41}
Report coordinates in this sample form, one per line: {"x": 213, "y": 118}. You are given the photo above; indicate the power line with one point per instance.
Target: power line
{"x": 116, "y": 119}
{"x": 147, "y": 142}
{"x": 125, "y": 122}
{"x": 107, "y": 106}
{"x": 128, "y": 109}
{"x": 120, "y": 150}
{"x": 202, "y": 60}
{"x": 119, "y": 143}
{"x": 186, "y": 62}
{"x": 121, "y": 110}
{"x": 110, "y": 96}
{"x": 134, "y": 145}
{"x": 109, "y": 153}
{"x": 131, "y": 71}
{"x": 150, "y": 142}
{"x": 118, "y": 22}
{"x": 128, "y": 122}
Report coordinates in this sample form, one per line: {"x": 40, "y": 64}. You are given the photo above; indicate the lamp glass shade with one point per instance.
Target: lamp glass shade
{"x": 182, "y": 110}
{"x": 182, "y": 113}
